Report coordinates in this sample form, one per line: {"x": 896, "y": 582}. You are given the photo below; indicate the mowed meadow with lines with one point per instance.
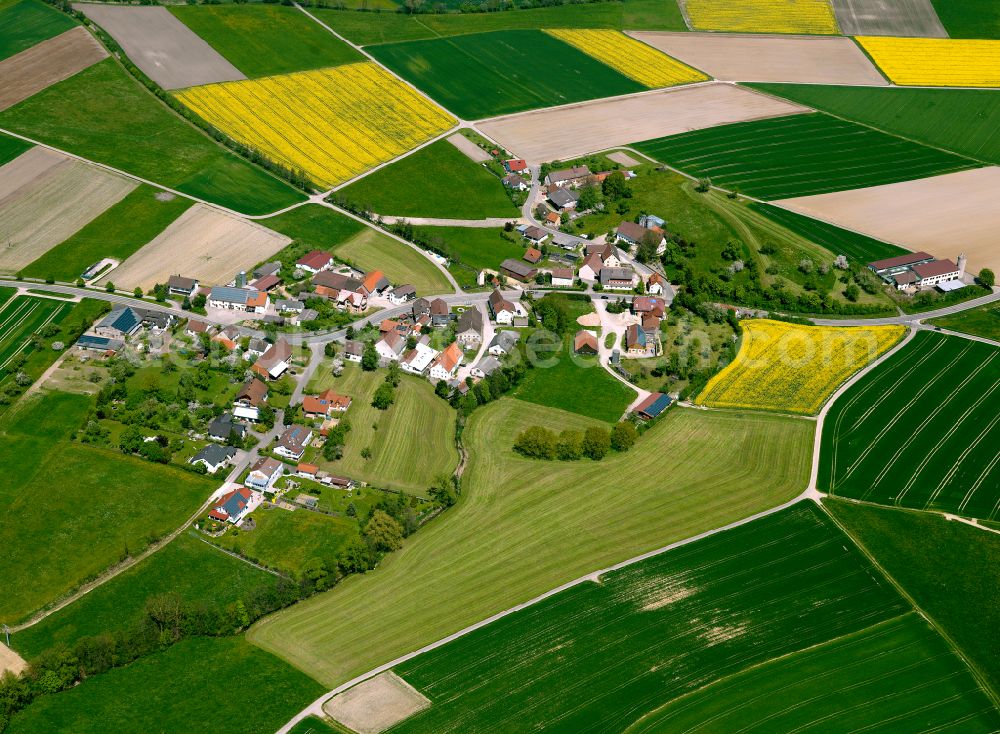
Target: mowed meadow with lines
{"x": 20, "y": 318}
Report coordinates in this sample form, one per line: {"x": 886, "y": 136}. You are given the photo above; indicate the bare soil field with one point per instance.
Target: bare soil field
{"x": 574, "y": 130}
{"x": 468, "y": 147}
{"x": 736, "y": 57}
{"x": 943, "y": 215}
{"x": 376, "y": 704}
{"x": 10, "y": 660}
{"x": 624, "y": 158}
{"x": 166, "y": 50}
{"x": 45, "y": 197}
{"x": 49, "y": 62}
{"x": 888, "y": 18}
{"x": 202, "y": 243}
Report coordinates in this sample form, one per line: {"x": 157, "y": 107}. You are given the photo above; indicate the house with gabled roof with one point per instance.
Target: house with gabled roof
{"x": 502, "y": 310}
{"x": 417, "y": 360}
{"x": 213, "y": 457}
{"x": 619, "y": 279}
{"x": 563, "y": 277}
{"x": 637, "y": 343}
{"x": 440, "y": 312}
{"x": 223, "y": 427}
{"x": 469, "y": 330}
{"x": 485, "y": 367}
{"x": 390, "y": 347}
{"x": 264, "y": 473}
{"x": 503, "y": 343}
{"x": 325, "y": 403}
{"x": 354, "y": 350}
{"x": 568, "y": 176}
{"x": 249, "y": 398}
{"x": 375, "y": 282}
{"x": 517, "y": 270}
{"x": 447, "y": 363}
{"x": 585, "y": 342}
{"x": 273, "y": 363}
{"x": 401, "y": 294}
{"x": 179, "y": 285}
{"x": 235, "y": 505}
{"x": 563, "y": 199}
{"x": 238, "y": 299}
{"x": 315, "y": 261}
{"x": 293, "y": 441}
{"x": 515, "y": 182}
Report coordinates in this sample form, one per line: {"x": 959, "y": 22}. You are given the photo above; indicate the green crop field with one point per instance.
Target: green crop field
{"x": 414, "y": 441}
{"x": 921, "y": 430}
{"x": 574, "y": 383}
{"x": 487, "y": 74}
{"x": 898, "y": 676}
{"x": 288, "y": 540}
{"x": 193, "y": 570}
{"x": 969, "y": 18}
{"x": 436, "y": 181}
{"x": 475, "y": 247}
{"x": 369, "y": 28}
{"x": 856, "y": 246}
{"x": 981, "y": 321}
{"x": 949, "y": 568}
{"x": 104, "y": 115}
{"x": 117, "y": 233}
{"x": 28, "y": 22}
{"x": 189, "y": 686}
{"x": 312, "y": 725}
{"x": 261, "y": 40}
{"x": 799, "y": 155}
{"x": 638, "y": 647}
{"x": 522, "y": 527}
{"x": 959, "y": 120}
{"x": 72, "y": 510}
{"x": 19, "y": 319}
{"x": 11, "y": 148}
{"x": 317, "y": 227}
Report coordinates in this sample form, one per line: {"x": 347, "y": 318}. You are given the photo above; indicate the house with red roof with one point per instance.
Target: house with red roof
{"x": 315, "y": 261}
{"x": 325, "y": 403}
{"x": 235, "y": 505}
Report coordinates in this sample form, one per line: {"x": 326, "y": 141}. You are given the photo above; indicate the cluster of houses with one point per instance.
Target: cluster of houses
{"x": 918, "y": 270}
{"x": 111, "y": 333}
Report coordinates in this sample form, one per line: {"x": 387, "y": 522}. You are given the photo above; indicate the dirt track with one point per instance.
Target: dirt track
{"x": 761, "y": 58}
{"x": 202, "y": 243}
{"x": 565, "y": 132}
{"x": 166, "y": 50}
{"x": 51, "y": 61}
{"x": 943, "y": 215}
{"x": 468, "y": 147}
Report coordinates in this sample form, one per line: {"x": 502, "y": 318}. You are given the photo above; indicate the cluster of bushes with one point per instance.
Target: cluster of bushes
{"x": 538, "y": 442}
{"x": 486, "y": 390}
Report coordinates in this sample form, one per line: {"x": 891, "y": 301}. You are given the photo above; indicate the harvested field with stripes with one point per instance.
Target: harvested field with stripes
{"x": 202, "y": 243}
{"x": 920, "y": 431}
{"x": 45, "y": 197}
{"x": 936, "y": 62}
{"x": 663, "y": 640}
{"x": 49, "y": 62}
{"x": 21, "y": 317}
{"x": 800, "y": 155}
{"x": 331, "y": 123}
{"x": 888, "y": 18}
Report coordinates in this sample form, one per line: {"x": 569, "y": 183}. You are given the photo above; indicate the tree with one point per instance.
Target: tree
{"x": 441, "y": 389}
{"x": 987, "y": 278}
{"x": 536, "y": 442}
{"x": 186, "y": 303}
{"x": 131, "y": 440}
{"x": 137, "y": 292}
{"x": 199, "y": 301}
{"x": 330, "y": 349}
{"x": 588, "y": 198}
{"x": 596, "y": 443}
{"x": 569, "y": 446}
{"x": 851, "y": 292}
{"x": 355, "y": 557}
{"x": 383, "y": 533}
{"x": 265, "y": 416}
{"x": 615, "y": 188}
{"x": 394, "y": 374}
{"x": 110, "y": 287}
{"x": 369, "y": 358}
{"x": 384, "y": 396}
{"x": 443, "y": 491}
{"x": 623, "y": 436}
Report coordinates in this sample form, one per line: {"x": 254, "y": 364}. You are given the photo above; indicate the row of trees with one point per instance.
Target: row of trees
{"x": 538, "y": 442}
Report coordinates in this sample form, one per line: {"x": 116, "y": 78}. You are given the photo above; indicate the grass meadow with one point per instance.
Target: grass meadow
{"x": 486, "y": 74}
{"x": 436, "y": 181}
{"x": 412, "y": 442}
{"x": 523, "y": 526}
{"x": 920, "y": 431}
{"x": 117, "y": 233}
{"x": 72, "y": 510}
{"x": 11, "y": 148}
{"x": 28, "y": 22}
{"x": 948, "y": 568}
{"x": 639, "y": 647}
{"x": 474, "y": 247}
{"x": 799, "y": 155}
{"x": 104, "y": 115}
{"x": 958, "y": 120}
{"x": 981, "y": 321}
{"x": 20, "y": 318}
{"x": 970, "y": 18}
{"x": 187, "y": 566}
{"x": 189, "y": 686}
{"x": 261, "y": 40}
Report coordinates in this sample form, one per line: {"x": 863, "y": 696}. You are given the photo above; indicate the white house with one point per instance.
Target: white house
{"x": 293, "y": 442}
{"x": 447, "y": 363}
{"x": 418, "y": 359}
{"x": 562, "y": 277}
{"x": 234, "y": 506}
{"x": 390, "y": 347}
{"x": 238, "y": 299}
{"x": 502, "y": 310}
{"x": 402, "y": 294}
{"x": 214, "y": 457}
{"x": 264, "y": 473}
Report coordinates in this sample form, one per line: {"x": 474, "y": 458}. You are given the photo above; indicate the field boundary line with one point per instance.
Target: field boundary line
{"x": 959, "y": 334}
{"x": 237, "y": 556}
{"x": 977, "y": 674}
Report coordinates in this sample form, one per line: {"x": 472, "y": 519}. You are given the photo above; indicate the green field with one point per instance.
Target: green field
{"x": 117, "y": 232}
{"x": 11, "y": 148}
{"x": 969, "y": 18}
{"x": 522, "y": 527}
{"x": 288, "y": 540}
{"x": 414, "y": 441}
{"x": 981, "y": 321}
{"x": 436, "y": 181}
{"x": 104, "y": 115}
{"x": 188, "y": 687}
{"x": 367, "y": 28}
{"x": 487, "y": 74}
{"x": 799, "y": 155}
{"x": 317, "y": 227}
{"x": 630, "y": 649}
{"x": 187, "y": 567}
{"x": 574, "y": 383}
{"x": 28, "y": 22}
{"x": 261, "y": 40}
{"x": 921, "y": 430}
{"x": 951, "y": 570}
{"x": 474, "y": 247}
{"x": 953, "y": 119}
{"x": 72, "y": 510}
{"x": 856, "y": 246}
{"x": 19, "y": 319}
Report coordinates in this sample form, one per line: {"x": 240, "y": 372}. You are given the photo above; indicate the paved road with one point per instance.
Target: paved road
{"x": 487, "y": 223}
{"x": 914, "y": 317}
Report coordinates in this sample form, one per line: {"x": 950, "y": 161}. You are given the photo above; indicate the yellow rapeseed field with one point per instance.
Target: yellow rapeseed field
{"x": 792, "y": 368}
{"x": 762, "y": 16}
{"x": 330, "y": 123}
{"x": 632, "y": 58}
{"x": 936, "y": 62}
